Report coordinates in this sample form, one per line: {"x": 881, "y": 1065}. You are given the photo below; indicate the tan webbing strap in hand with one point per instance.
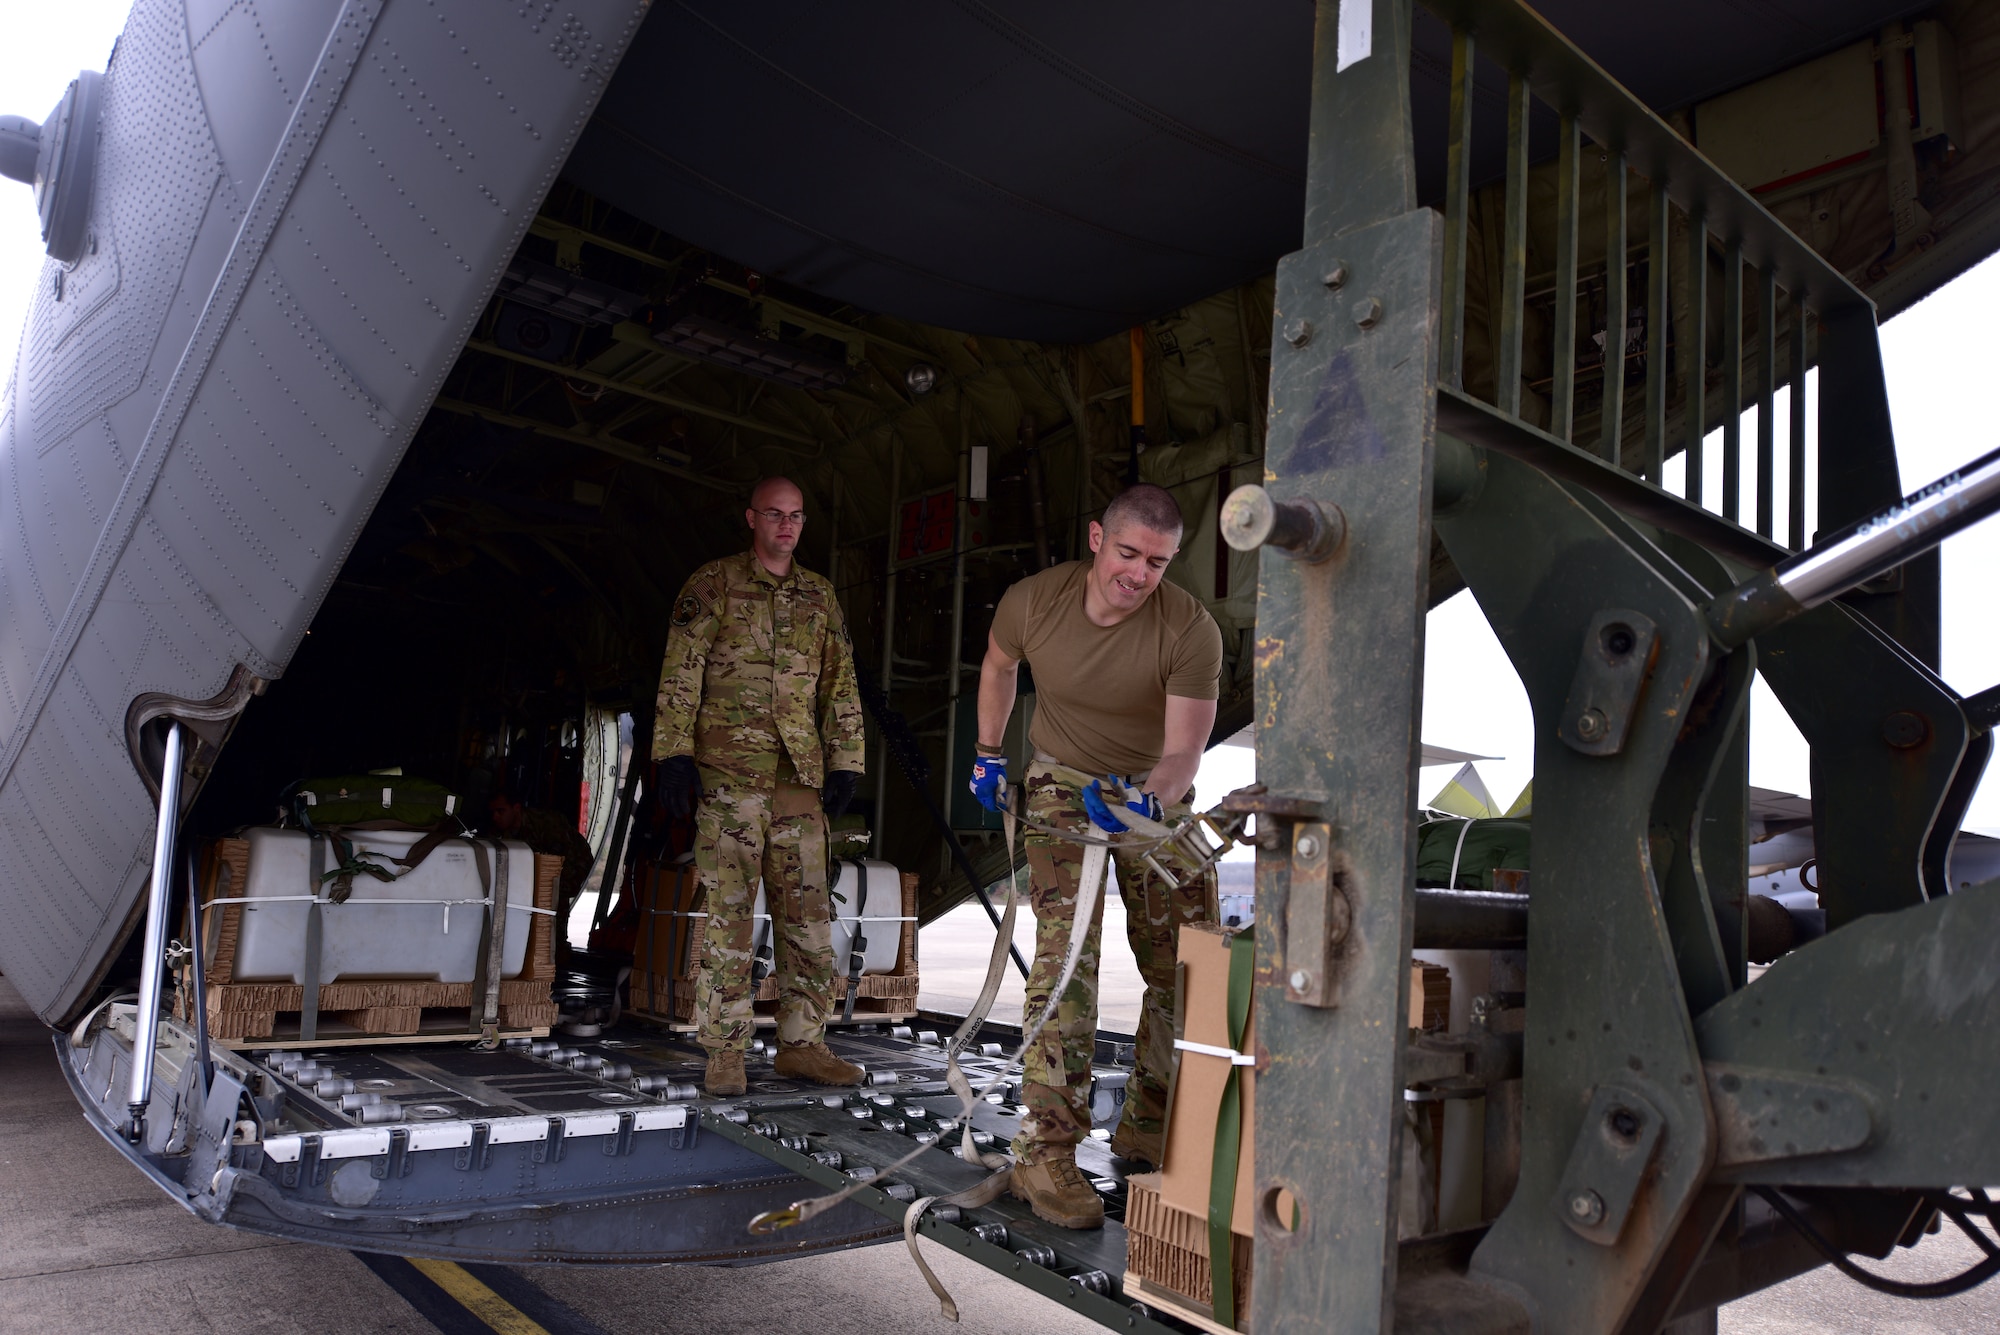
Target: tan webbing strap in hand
{"x": 1096, "y": 867}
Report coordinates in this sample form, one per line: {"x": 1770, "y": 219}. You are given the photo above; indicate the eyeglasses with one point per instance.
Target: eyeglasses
{"x": 793, "y": 517}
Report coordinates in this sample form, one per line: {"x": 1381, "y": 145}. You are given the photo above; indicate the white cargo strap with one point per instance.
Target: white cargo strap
{"x": 1451, "y": 882}
{"x": 1210, "y": 1050}
{"x": 1090, "y": 889}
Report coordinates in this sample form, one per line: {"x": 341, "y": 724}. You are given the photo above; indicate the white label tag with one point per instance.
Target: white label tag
{"x": 385, "y": 796}
{"x": 1356, "y": 35}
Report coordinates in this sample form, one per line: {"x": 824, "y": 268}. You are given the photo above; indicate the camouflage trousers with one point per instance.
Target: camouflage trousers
{"x": 1055, "y": 1077}
{"x": 742, "y": 833}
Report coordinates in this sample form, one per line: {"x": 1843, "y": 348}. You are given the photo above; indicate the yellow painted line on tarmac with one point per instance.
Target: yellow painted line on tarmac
{"x": 476, "y": 1298}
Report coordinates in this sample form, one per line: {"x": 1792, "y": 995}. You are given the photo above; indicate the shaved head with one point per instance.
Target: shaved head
{"x": 1144, "y": 504}
{"x": 777, "y": 493}
{"x": 776, "y": 516}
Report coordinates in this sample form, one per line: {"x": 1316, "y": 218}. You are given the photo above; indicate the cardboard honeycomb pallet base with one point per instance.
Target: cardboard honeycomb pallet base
{"x": 1166, "y": 1258}
{"x": 403, "y": 1009}
{"x": 440, "y": 1026}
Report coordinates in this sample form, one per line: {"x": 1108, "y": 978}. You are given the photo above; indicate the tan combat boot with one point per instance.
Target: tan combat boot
{"x": 815, "y": 1062}
{"x": 1138, "y": 1147}
{"x": 725, "y": 1073}
{"x": 1059, "y": 1192}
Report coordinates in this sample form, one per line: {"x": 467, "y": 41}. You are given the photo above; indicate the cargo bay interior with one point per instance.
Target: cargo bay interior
{"x": 498, "y": 625}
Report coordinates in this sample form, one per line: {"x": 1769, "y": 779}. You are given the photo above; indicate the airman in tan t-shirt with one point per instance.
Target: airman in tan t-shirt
{"x": 1126, "y": 669}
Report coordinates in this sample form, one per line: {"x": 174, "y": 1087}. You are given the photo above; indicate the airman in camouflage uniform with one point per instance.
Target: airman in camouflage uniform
{"x": 1055, "y": 1076}
{"x": 758, "y": 686}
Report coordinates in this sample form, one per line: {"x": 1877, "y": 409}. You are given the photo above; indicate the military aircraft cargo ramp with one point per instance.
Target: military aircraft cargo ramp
{"x": 396, "y": 361}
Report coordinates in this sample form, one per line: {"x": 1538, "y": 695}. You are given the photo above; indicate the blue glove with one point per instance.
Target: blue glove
{"x": 1099, "y": 812}
{"x": 989, "y": 781}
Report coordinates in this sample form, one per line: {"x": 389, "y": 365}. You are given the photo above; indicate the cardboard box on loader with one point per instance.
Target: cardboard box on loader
{"x": 1168, "y": 1213}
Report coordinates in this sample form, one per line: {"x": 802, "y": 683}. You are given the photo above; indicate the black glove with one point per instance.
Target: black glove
{"x": 839, "y": 791}
{"x": 676, "y": 786}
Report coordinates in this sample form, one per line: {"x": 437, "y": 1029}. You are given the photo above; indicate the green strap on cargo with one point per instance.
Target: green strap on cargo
{"x": 1229, "y": 1140}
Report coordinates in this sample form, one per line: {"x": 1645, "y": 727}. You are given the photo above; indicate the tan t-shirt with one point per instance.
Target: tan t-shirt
{"x": 1101, "y": 691}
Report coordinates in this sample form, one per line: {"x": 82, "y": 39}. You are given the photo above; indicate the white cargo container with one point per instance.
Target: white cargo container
{"x": 422, "y": 926}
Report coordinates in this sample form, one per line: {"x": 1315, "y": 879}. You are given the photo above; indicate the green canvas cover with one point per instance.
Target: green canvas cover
{"x": 1500, "y": 844}
{"x": 374, "y": 799}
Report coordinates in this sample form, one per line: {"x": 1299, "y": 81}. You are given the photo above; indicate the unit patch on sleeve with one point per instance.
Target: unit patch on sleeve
{"x": 686, "y": 610}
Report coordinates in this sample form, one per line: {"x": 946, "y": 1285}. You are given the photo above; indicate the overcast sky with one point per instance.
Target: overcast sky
{"x": 1938, "y": 355}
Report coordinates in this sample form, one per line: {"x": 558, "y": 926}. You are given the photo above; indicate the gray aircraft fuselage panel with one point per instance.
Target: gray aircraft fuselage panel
{"x": 298, "y": 212}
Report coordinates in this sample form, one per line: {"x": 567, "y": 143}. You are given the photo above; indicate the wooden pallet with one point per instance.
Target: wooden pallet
{"x": 878, "y": 997}
{"x": 242, "y": 1013}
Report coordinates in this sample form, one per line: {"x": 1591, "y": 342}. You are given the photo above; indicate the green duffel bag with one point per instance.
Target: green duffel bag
{"x": 381, "y": 801}
{"x": 1499, "y": 844}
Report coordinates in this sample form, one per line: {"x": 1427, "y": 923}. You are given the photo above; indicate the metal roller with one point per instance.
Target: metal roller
{"x": 333, "y": 1088}
{"x": 928, "y": 1037}
{"x": 375, "y": 1113}
{"x": 667, "y": 1088}
{"x": 991, "y": 1050}
{"x": 860, "y": 1110}
{"x": 352, "y": 1102}
{"x": 901, "y": 1191}
{"x": 542, "y": 1047}
{"x": 586, "y": 1061}
{"x": 834, "y": 1100}
{"x": 883, "y": 1100}
{"x": 797, "y": 1144}
{"x": 925, "y": 1137}
{"x": 740, "y": 1116}
{"x": 947, "y": 1214}
{"x": 768, "y": 1130}
{"x": 996, "y": 1234}
{"x": 616, "y": 1071}
{"x": 895, "y": 1124}
{"x": 1470, "y": 920}
{"x": 1034, "y": 1253}
{"x": 831, "y": 1158}
{"x": 864, "y": 1172}
{"x": 1094, "y": 1280}
{"x": 900, "y": 1031}
{"x": 883, "y": 1078}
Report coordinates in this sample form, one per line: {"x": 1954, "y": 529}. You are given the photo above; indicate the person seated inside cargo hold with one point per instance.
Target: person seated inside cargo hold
{"x": 1127, "y": 669}
{"x": 546, "y": 832}
{"x": 758, "y": 732}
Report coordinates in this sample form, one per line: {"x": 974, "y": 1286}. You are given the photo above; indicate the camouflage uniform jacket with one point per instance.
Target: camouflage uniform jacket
{"x": 758, "y": 673}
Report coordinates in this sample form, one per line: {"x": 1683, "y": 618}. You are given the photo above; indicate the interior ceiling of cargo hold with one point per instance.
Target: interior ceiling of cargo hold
{"x": 1058, "y": 172}
{"x": 861, "y": 248}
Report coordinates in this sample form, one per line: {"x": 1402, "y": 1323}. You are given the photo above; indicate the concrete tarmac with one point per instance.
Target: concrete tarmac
{"x": 87, "y": 1245}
